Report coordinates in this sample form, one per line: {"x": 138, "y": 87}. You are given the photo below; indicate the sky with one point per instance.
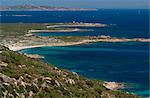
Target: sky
{"x": 125, "y": 4}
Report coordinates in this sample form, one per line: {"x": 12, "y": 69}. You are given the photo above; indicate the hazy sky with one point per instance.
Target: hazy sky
{"x": 138, "y": 4}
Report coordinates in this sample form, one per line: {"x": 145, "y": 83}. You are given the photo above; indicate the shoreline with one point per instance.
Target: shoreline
{"x": 78, "y": 24}
{"x": 53, "y": 31}
{"x": 38, "y": 46}
{"x": 114, "y": 85}
{"x": 111, "y": 40}
{"x": 36, "y": 77}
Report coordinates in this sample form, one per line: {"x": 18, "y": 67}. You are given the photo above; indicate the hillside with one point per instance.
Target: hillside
{"x": 23, "y": 77}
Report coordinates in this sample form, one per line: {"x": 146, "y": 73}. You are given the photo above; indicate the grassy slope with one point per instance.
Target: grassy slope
{"x": 19, "y": 29}
{"x": 9, "y": 31}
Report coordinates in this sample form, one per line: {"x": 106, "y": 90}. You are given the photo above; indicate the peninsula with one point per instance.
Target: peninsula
{"x": 20, "y": 36}
{"x": 41, "y": 8}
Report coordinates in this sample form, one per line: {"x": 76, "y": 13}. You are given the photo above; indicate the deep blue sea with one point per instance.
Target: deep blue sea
{"x": 126, "y": 62}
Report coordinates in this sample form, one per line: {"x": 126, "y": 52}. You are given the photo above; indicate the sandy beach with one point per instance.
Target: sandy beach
{"x": 67, "y": 30}
{"x": 18, "y": 47}
{"x": 76, "y": 24}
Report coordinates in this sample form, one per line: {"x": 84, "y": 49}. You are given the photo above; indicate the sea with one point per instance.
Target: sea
{"x": 126, "y": 62}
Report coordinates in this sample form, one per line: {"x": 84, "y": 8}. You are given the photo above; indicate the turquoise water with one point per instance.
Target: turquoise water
{"x": 121, "y": 62}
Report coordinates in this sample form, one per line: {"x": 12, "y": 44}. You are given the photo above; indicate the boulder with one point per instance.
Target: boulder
{"x": 30, "y": 94}
{"x": 57, "y": 83}
{"x": 35, "y": 85}
{"x": 5, "y": 94}
{"x": 5, "y": 78}
{"x": 113, "y": 85}
{"x": 70, "y": 81}
{"x": 2, "y": 64}
{"x": 6, "y": 84}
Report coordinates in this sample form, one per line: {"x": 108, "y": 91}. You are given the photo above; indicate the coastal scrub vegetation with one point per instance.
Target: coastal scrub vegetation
{"x": 14, "y": 32}
{"x": 19, "y": 29}
{"x": 22, "y": 77}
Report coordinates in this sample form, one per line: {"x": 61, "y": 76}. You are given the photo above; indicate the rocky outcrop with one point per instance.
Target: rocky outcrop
{"x": 35, "y": 56}
{"x": 3, "y": 64}
{"x": 113, "y": 85}
{"x": 6, "y": 79}
{"x": 70, "y": 81}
